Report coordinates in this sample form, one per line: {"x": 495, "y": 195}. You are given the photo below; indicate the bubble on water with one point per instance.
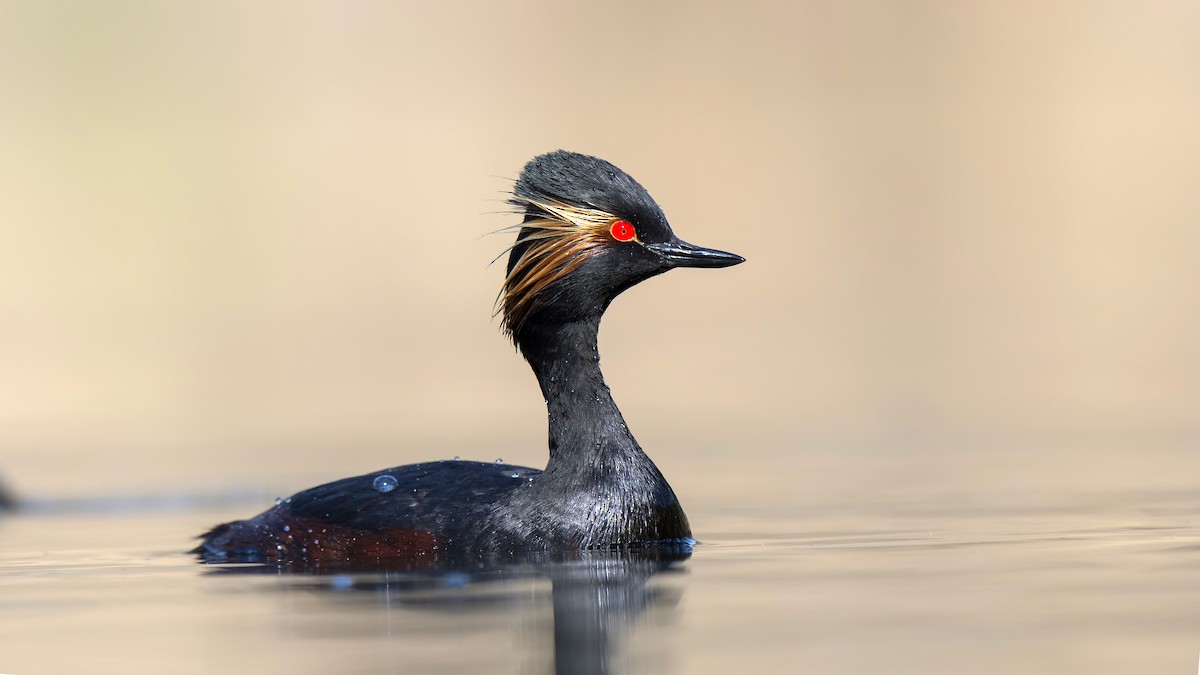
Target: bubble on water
{"x": 456, "y": 579}
{"x": 385, "y": 483}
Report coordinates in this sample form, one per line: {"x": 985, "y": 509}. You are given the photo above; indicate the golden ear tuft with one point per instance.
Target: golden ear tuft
{"x": 556, "y": 243}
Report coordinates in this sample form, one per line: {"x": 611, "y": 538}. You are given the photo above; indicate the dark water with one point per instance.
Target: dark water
{"x": 1096, "y": 581}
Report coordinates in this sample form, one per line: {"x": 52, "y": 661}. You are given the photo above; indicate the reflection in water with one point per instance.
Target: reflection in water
{"x": 6, "y": 499}
{"x": 595, "y": 596}
{"x": 594, "y": 601}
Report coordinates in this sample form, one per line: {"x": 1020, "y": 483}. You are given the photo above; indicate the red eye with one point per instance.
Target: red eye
{"x": 622, "y": 230}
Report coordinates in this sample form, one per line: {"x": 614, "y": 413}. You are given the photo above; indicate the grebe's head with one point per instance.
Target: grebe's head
{"x": 590, "y": 232}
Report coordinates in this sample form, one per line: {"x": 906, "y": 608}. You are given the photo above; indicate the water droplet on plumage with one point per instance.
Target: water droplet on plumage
{"x": 278, "y": 501}
{"x": 385, "y": 483}
{"x": 516, "y": 475}
{"x": 287, "y": 528}
{"x": 457, "y": 458}
{"x": 499, "y": 460}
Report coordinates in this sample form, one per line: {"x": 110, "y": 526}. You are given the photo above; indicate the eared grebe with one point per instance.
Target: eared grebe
{"x": 590, "y": 231}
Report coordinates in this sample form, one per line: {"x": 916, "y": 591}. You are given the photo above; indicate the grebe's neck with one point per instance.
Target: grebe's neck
{"x": 587, "y": 430}
{"x": 598, "y": 487}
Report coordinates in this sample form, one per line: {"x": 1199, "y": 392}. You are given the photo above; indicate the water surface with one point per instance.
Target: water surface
{"x": 883, "y": 579}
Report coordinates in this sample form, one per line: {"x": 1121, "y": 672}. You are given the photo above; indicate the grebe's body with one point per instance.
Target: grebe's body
{"x": 590, "y": 232}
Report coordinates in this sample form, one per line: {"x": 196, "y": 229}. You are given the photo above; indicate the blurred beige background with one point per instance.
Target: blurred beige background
{"x": 240, "y": 243}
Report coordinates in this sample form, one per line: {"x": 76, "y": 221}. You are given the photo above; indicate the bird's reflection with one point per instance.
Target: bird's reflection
{"x": 594, "y": 602}
{"x": 595, "y": 596}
